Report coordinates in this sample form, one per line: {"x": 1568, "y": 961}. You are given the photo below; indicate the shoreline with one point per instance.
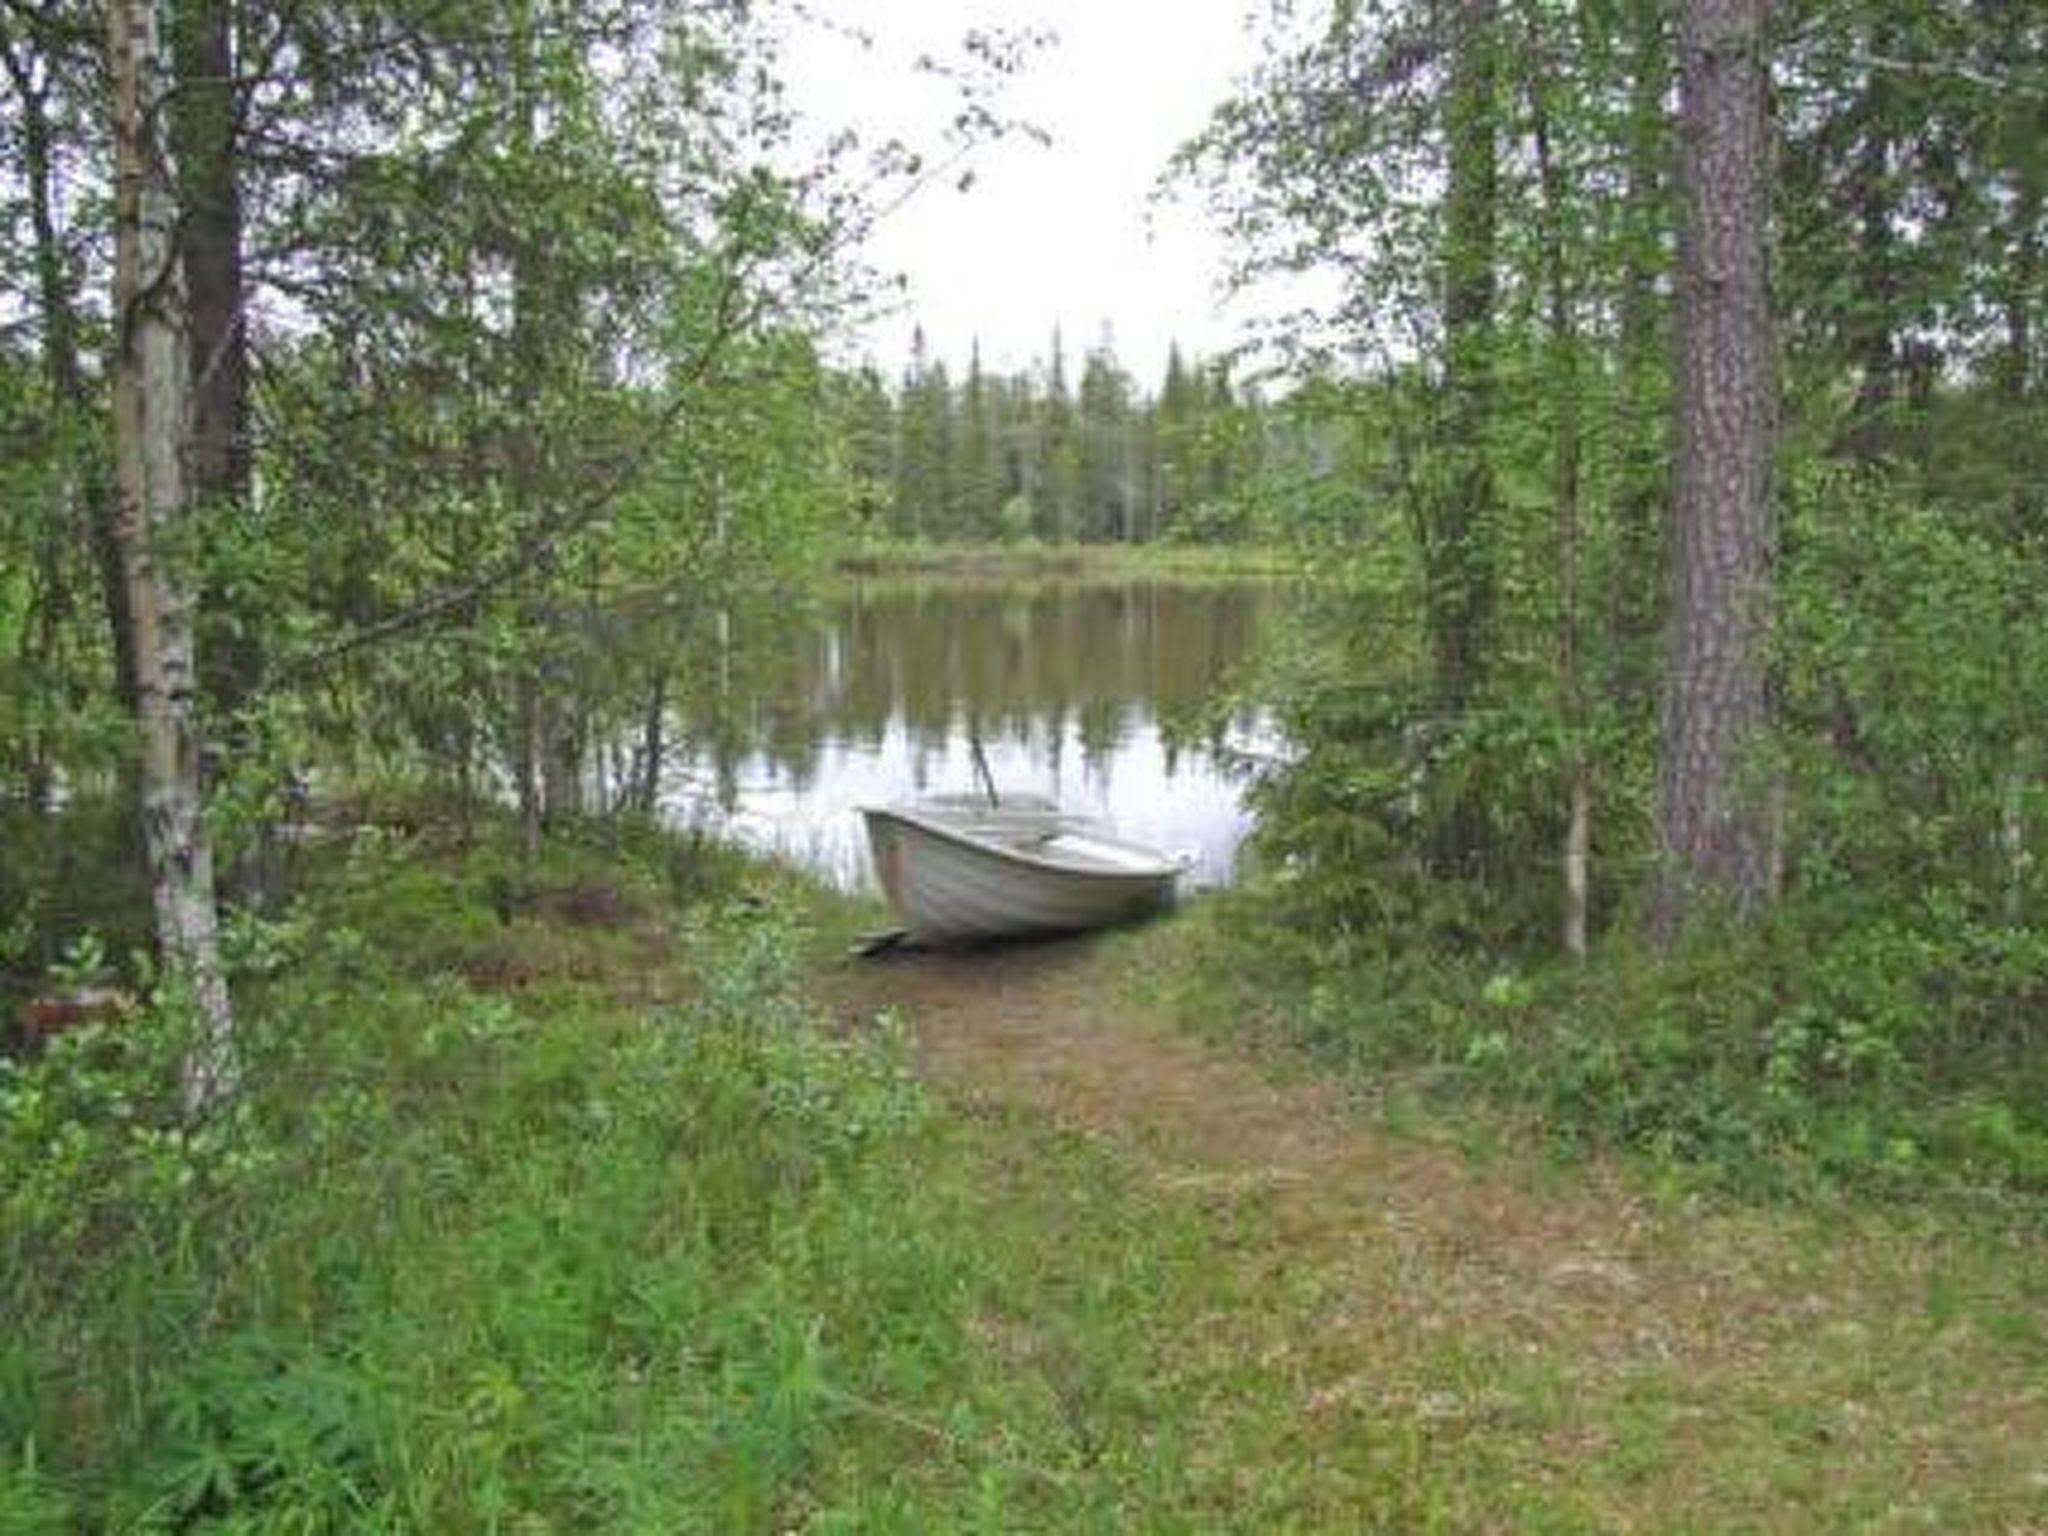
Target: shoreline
{"x": 1091, "y": 562}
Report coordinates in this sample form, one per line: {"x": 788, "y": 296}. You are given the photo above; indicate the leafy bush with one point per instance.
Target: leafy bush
{"x": 456, "y": 1258}
{"x": 1883, "y": 1025}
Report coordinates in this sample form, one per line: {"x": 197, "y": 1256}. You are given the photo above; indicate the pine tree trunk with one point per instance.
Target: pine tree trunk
{"x": 152, "y": 415}
{"x": 210, "y": 241}
{"x": 210, "y": 237}
{"x": 1713, "y": 826}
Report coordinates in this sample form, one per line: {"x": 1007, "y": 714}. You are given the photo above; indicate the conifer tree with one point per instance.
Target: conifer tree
{"x": 1711, "y": 818}
{"x": 1059, "y": 470}
{"x": 980, "y": 482}
{"x": 1106, "y": 459}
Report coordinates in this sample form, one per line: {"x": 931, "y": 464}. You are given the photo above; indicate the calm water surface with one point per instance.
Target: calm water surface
{"x": 1101, "y": 696}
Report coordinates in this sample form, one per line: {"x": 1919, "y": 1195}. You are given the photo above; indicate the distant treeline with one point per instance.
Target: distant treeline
{"x": 1031, "y": 455}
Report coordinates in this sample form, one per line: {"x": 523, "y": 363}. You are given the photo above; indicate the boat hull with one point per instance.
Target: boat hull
{"x": 949, "y": 885}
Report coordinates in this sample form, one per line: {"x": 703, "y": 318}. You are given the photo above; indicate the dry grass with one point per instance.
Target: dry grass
{"x": 1392, "y": 1334}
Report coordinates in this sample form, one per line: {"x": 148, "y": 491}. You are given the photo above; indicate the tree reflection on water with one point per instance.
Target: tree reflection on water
{"x": 1109, "y": 697}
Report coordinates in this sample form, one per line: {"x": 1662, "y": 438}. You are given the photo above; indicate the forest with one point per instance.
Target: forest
{"x": 1694, "y": 473}
{"x": 409, "y": 407}
{"x": 1031, "y": 457}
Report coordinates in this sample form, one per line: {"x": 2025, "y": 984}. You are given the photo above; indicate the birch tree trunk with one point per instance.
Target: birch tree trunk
{"x": 152, "y": 413}
{"x": 1713, "y": 829}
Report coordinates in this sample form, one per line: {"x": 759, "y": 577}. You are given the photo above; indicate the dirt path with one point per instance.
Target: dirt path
{"x": 1642, "y": 1362}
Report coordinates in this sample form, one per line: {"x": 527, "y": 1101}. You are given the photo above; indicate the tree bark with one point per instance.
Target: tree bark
{"x": 60, "y": 364}
{"x": 205, "y": 134}
{"x": 1561, "y": 320}
{"x": 1456, "y": 508}
{"x": 1712, "y": 825}
{"x": 1460, "y": 574}
{"x": 562, "y": 748}
{"x": 526, "y": 775}
{"x": 1642, "y": 496}
{"x": 2016, "y": 364}
{"x": 1872, "y": 322}
{"x": 210, "y": 244}
{"x": 57, "y": 304}
{"x": 653, "y": 749}
{"x": 152, "y": 414}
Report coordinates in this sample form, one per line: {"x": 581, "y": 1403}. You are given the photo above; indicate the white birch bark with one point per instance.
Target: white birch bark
{"x": 152, "y": 413}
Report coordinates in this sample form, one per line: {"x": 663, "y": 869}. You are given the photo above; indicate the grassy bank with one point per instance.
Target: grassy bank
{"x": 602, "y": 1195}
{"x": 547, "y": 1204}
{"x": 1443, "y": 1329}
{"x": 1764, "y": 1063}
{"x": 1101, "y": 562}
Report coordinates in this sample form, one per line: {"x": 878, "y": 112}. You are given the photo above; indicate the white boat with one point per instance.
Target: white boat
{"x": 958, "y": 871}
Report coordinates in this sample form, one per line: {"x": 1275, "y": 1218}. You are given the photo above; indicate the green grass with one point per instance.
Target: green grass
{"x": 548, "y": 1206}
{"x": 554, "y": 1203}
{"x": 1721, "y": 1065}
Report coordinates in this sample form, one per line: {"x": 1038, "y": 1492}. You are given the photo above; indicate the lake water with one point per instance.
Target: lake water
{"x": 1103, "y": 696}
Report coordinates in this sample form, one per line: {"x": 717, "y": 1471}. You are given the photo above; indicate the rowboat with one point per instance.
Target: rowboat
{"x": 957, "y": 872}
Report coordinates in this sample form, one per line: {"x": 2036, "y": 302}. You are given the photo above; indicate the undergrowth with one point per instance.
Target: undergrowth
{"x": 549, "y": 1203}
{"x": 1792, "y": 1059}
{"x": 544, "y": 1204}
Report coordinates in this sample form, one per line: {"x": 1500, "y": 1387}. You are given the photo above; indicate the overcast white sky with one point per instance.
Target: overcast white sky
{"x": 1068, "y": 234}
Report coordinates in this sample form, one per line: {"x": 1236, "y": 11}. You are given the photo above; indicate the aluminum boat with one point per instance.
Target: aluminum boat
{"x": 957, "y": 871}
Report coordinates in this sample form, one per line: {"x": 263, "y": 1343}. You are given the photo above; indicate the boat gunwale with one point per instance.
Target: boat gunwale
{"x": 1163, "y": 868}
